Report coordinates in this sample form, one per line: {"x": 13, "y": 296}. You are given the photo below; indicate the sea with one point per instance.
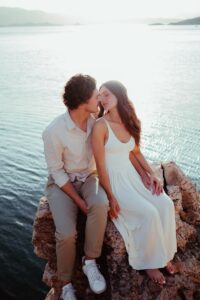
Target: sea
{"x": 159, "y": 65}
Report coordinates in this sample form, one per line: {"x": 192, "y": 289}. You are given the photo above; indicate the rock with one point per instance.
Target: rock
{"x": 124, "y": 282}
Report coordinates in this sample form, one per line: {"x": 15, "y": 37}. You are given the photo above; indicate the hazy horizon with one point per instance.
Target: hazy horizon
{"x": 112, "y": 10}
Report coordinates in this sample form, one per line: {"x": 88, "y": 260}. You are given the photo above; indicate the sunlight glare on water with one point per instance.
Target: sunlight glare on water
{"x": 159, "y": 65}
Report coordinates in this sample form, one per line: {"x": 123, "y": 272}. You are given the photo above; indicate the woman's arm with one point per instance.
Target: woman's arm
{"x": 98, "y": 141}
{"x": 143, "y": 162}
{"x": 143, "y": 174}
{"x": 155, "y": 182}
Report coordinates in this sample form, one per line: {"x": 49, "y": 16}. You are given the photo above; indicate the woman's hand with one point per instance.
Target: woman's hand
{"x": 143, "y": 167}
{"x": 82, "y": 205}
{"x": 114, "y": 207}
{"x": 156, "y": 185}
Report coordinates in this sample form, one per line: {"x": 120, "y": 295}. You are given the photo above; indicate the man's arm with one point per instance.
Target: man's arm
{"x": 69, "y": 189}
{"x": 53, "y": 150}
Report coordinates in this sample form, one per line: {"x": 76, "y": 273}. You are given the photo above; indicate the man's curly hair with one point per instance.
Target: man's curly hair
{"x": 78, "y": 90}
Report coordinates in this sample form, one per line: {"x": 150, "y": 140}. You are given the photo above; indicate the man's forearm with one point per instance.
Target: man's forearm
{"x": 71, "y": 192}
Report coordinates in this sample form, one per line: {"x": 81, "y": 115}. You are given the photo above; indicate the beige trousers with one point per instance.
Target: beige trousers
{"x": 64, "y": 212}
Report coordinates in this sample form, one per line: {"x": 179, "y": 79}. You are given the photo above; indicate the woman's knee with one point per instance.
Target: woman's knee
{"x": 168, "y": 203}
{"x": 152, "y": 214}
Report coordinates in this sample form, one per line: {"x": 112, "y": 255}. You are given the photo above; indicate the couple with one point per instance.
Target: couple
{"x": 128, "y": 189}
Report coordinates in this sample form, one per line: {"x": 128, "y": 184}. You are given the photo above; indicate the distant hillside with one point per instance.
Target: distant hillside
{"x": 19, "y": 17}
{"x": 156, "y": 24}
{"x": 194, "y": 21}
{"x": 152, "y": 21}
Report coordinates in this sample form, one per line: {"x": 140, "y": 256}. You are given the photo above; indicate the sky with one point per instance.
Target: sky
{"x": 113, "y": 9}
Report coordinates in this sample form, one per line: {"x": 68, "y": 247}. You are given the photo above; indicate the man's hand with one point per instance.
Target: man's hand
{"x": 114, "y": 208}
{"x": 82, "y": 205}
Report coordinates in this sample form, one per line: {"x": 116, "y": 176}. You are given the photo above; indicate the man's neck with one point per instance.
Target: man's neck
{"x": 80, "y": 117}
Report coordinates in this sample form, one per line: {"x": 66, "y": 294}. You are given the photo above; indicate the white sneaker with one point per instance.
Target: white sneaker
{"x": 96, "y": 280}
{"x": 68, "y": 292}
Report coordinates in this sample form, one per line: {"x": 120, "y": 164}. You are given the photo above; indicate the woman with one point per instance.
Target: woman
{"x": 146, "y": 220}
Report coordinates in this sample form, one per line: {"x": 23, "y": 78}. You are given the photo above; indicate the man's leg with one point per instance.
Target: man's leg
{"x": 64, "y": 213}
{"x": 97, "y": 202}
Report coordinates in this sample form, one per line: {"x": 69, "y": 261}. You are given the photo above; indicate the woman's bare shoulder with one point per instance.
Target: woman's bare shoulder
{"x": 100, "y": 124}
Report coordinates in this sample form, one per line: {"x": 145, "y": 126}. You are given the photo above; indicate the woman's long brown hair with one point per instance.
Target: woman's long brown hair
{"x": 125, "y": 109}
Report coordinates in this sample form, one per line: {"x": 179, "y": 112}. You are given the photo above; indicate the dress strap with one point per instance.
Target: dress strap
{"x": 106, "y": 122}
{"x": 108, "y": 125}
{"x": 109, "y": 128}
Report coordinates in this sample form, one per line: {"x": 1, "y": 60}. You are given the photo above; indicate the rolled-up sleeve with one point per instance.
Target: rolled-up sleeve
{"x": 53, "y": 150}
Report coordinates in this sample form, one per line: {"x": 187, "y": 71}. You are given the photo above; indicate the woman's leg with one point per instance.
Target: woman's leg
{"x": 166, "y": 210}
{"x": 140, "y": 226}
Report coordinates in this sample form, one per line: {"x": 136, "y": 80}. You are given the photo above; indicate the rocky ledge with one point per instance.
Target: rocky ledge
{"x": 124, "y": 282}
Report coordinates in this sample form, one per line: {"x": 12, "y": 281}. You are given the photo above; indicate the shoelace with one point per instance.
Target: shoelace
{"x": 93, "y": 272}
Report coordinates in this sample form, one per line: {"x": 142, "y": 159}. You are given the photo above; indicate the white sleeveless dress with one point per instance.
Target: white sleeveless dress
{"x": 146, "y": 221}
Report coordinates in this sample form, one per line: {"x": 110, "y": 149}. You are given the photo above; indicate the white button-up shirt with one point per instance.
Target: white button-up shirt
{"x": 68, "y": 150}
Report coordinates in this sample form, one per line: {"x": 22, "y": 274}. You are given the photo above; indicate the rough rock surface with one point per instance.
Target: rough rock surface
{"x": 124, "y": 282}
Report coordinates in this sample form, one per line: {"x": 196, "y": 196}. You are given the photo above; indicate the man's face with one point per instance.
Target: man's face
{"x": 92, "y": 104}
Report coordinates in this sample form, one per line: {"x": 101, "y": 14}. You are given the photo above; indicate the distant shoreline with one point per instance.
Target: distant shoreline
{"x": 77, "y": 24}
{"x": 173, "y": 24}
{"x": 32, "y": 25}
{"x": 194, "y": 21}
{"x": 19, "y": 17}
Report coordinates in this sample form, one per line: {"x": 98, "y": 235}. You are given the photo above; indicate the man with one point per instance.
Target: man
{"x": 73, "y": 184}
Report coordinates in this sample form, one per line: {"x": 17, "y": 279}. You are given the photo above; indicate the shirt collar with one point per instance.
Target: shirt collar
{"x": 69, "y": 121}
{"x": 71, "y": 125}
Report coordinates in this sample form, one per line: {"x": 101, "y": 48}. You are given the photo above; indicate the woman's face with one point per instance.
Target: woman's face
{"x": 107, "y": 99}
